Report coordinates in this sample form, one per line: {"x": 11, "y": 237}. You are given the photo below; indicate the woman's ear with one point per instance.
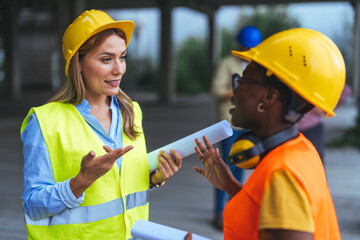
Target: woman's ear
{"x": 271, "y": 97}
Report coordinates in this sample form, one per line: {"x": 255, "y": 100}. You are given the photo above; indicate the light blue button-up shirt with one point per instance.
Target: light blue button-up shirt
{"x": 41, "y": 195}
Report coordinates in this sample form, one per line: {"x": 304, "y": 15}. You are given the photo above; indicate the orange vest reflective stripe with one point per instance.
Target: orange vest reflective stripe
{"x": 241, "y": 214}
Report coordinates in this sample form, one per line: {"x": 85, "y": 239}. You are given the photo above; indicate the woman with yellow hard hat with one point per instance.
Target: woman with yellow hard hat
{"x": 86, "y": 173}
{"x": 286, "y": 196}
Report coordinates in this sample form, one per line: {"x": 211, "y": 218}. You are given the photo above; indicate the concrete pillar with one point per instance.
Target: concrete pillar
{"x": 64, "y": 17}
{"x": 167, "y": 70}
{"x": 10, "y": 15}
{"x": 214, "y": 43}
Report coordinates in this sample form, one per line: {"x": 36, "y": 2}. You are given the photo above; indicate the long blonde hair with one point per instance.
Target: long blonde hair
{"x": 73, "y": 90}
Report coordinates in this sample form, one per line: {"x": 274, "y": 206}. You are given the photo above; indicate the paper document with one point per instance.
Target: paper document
{"x": 186, "y": 146}
{"x": 147, "y": 230}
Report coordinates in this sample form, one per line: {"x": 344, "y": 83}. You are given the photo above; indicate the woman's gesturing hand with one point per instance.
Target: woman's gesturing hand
{"x": 216, "y": 171}
{"x": 94, "y": 167}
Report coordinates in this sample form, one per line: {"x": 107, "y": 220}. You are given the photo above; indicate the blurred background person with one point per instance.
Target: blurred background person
{"x": 313, "y": 127}
{"x": 221, "y": 90}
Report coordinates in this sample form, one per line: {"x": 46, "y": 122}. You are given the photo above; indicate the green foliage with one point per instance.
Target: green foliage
{"x": 149, "y": 77}
{"x": 141, "y": 74}
{"x": 344, "y": 41}
{"x": 192, "y": 68}
{"x": 193, "y": 73}
{"x": 269, "y": 19}
{"x": 228, "y": 42}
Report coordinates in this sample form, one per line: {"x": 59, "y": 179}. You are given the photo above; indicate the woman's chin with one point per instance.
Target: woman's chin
{"x": 112, "y": 92}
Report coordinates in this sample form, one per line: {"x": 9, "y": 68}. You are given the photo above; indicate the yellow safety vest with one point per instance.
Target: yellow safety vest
{"x": 114, "y": 202}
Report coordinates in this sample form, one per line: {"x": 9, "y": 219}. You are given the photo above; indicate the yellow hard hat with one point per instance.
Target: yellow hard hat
{"x": 306, "y": 61}
{"x": 87, "y": 25}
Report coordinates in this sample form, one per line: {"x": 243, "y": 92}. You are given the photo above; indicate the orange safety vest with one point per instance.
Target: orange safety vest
{"x": 298, "y": 156}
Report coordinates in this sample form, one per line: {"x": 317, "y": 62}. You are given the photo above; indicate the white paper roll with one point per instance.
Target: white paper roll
{"x": 186, "y": 146}
{"x": 147, "y": 230}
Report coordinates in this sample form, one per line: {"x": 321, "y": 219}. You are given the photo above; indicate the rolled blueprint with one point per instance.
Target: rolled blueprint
{"x": 186, "y": 146}
{"x": 147, "y": 230}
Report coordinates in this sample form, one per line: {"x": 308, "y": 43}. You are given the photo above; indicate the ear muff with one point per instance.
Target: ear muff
{"x": 247, "y": 150}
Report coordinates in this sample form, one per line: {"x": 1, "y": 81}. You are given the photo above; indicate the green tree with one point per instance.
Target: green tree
{"x": 269, "y": 19}
{"x": 344, "y": 40}
{"x": 193, "y": 74}
{"x": 228, "y": 42}
{"x": 149, "y": 76}
{"x": 192, "y": 70}
{"x": 141, "y": 74}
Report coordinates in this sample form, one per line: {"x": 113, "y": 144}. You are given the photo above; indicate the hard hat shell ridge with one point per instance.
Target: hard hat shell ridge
{"x": 87, "y": 25}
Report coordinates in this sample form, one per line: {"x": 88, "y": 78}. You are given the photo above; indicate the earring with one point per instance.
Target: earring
{"x": 260, "y": 107}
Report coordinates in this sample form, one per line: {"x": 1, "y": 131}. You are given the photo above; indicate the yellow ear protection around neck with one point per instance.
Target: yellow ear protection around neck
{"x": 247, "y": 150}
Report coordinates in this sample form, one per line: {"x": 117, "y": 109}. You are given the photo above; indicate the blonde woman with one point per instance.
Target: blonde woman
{"x": 86, "y": 173}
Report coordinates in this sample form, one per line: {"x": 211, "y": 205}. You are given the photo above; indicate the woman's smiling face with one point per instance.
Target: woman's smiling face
{"x": 103, "y": 68}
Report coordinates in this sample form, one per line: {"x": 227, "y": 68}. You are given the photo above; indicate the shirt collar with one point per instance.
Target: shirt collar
{"x": 85, "y": 107}
{"x": 114, "y": 103}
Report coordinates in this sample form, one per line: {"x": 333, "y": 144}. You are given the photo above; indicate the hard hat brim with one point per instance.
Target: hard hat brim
{"x": 126, "y": 26}
{"x": 242, "y": 54}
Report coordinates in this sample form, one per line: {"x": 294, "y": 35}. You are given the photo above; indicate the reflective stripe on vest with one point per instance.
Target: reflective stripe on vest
{"x": 88, "y": 214}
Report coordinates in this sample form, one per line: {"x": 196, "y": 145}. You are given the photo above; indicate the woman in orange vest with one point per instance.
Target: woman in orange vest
{"x": 286, "y": 196}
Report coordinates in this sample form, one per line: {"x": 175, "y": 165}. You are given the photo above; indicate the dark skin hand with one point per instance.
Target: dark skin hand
{"x": 216, "y": 171}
